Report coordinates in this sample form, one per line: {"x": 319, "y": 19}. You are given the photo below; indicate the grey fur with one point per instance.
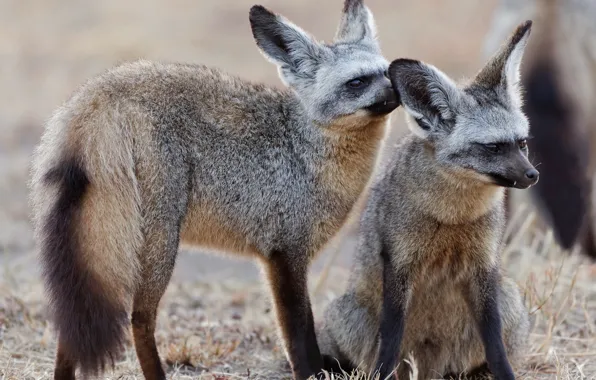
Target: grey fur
{"x": 181, "y": 152}
{"x": 436, "y": 219}
{"x": 317, "y": 72}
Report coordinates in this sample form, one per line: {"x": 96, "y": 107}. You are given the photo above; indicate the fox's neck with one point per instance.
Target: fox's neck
{"x": 344, "y": 153}
{"x": 444, "y": 194}
{"x": 339, "y": 159}
{"x": 349, "y": 157}
{"x": 344, "y": 169}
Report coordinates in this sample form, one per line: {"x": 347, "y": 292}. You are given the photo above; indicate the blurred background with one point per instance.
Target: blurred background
{"x": 50, "y": 47}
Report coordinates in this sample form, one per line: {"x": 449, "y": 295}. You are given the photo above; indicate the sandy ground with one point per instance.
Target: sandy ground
{"x": 216, "y": 316}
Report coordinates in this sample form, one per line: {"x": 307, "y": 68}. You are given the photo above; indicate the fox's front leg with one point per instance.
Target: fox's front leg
{"x": 287, "y": 275}
{"x": 396, "y": 294}
{"x": 482, "y": 297}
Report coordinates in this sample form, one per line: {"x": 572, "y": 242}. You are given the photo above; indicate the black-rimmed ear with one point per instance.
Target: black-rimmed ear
{"x": 429, "y": 96}
{"x": 284, "y": 43}
{"x": 502, "y": 70}
{"x": 357, "y": 24}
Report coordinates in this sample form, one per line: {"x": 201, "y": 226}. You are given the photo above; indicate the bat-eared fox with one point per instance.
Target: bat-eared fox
{"x": 427, "y": 279}
{"x": 149, "y": 155}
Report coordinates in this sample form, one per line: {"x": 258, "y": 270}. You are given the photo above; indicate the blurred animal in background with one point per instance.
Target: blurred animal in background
{"x": 559, "y": 77}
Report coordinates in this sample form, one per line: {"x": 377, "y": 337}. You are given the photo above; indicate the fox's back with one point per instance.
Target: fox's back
{"x": 186, "y": 96}
{"x": 241, "y": 156}
{"x": 224, "y": 143}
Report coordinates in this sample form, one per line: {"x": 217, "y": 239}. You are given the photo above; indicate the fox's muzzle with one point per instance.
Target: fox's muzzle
{"x": 519, "y": 179}
{"x": 387, "y": 102}
{"x": 531, "y": 176}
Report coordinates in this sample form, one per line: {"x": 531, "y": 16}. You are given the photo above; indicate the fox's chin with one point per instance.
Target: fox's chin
{"x": 382, "y": 108}
{"x": 502, "y": 181}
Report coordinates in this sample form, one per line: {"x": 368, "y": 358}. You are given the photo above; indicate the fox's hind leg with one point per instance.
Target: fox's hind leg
{"x": 347, "y": 335}
{"x": 159, "y": 258}
{"x": 157, "y": 262}
{"x": 165, "y": 209}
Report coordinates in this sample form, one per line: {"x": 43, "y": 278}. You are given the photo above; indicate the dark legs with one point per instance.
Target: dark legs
{"x": 288, "y": 282}
{"x": 483, "y": 299}
{"x": 161, "y": 248}
{"x": 143, "y": 327}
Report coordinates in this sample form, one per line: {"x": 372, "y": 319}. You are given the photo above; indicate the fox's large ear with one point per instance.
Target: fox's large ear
{"x": 357, "y": 24}
{"x": 295, "y": 52}
{"x": 502, "y": 70}
{"x": 428, "y": 96}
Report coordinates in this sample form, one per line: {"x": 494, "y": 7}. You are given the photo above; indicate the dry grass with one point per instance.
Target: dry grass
{"x": 225, "y": 330}
{"x": 560, "y": 292}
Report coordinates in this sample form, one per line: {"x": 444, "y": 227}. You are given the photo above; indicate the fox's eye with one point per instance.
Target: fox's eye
{"x": 493, "y": 148}
{"x": 356, "y": 83}
{"x": 523, "y": 144}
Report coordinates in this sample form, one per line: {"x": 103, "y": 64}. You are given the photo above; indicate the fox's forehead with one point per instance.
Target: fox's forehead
{"x": 353, "y": 60}
{"x": 492, "y": 124}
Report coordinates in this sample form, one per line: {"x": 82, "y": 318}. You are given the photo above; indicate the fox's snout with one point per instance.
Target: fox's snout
{"x": 514, "y": 170}
{"x": 520, "y": 177}
{"x": 386, "y": 102}
{"x": 527, "y": 178}
{"x": 532, "y": 174}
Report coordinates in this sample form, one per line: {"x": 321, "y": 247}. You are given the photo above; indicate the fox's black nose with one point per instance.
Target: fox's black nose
{"x": 387, "y": 102}
{"x": 532, "y": 174}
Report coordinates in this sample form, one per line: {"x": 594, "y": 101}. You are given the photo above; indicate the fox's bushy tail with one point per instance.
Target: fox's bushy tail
{"x": 87, "y": 223}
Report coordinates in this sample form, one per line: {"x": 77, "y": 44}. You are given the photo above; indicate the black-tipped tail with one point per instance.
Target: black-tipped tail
{"x": 91, "y": 327}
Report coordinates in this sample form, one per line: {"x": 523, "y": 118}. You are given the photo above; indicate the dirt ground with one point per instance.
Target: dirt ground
{"x": 215, "y": 320}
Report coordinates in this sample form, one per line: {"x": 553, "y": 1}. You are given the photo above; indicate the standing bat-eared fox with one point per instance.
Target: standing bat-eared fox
{"x": 427, "y": 279}
{"x": 149, "y": 154}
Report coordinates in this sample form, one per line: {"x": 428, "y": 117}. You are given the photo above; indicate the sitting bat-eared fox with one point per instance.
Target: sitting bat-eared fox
{"x": 149, "y": 155}
{"x": 427, "y": 279}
